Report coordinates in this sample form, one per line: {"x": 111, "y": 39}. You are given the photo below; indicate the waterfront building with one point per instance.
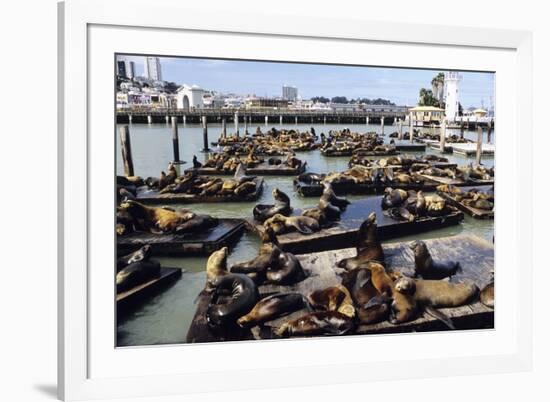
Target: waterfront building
{"x": 452, "y": 78}
{"x": 121, "y": 68}
{"x": 190, "y": 97}
{"x": 273, "y": 103}
{"x": 290, "y": 93}
{"x": 427, "y": 114}
{"x": 152, "y": 69}
{"x": 479, "y": 113}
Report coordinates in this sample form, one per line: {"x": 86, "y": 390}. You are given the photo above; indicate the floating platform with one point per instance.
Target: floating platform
{"x": 474, "y": 212}
{"x": 226, "y": 233}
{"x": 362, "y": 153}
{"x": 407, "y": 146}
{"x": 456, "y": 182}
{"x": 476, "y": 257}
{"x": 343, "y": 233}
{"x": 147, "y": 196}
{"x": 315, "y": 190}
{"x": 470, "y": 149}
{"x": 263, "y": 169}
{"x": 135, "y": 296}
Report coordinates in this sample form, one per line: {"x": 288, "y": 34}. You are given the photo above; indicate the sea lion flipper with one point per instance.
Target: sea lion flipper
{"x": 300, "y": 227}
{"x": 440, "y": 316}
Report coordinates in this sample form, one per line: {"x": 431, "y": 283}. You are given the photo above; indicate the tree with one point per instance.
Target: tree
{"x": 320, "y": 99}
{"x": 171, "y": 87}
{"x": 426, "y": 98}
{"x": 339, "y": 99}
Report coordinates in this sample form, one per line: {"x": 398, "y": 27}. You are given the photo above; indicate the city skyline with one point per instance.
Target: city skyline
{"x": 265, "y": 79}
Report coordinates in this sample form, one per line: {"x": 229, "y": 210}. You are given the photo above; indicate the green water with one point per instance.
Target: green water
{"x": 165, "y": 318}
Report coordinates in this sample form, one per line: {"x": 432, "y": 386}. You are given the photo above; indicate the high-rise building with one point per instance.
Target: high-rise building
{"x": 290, "y": 93}
{"x": 121, "y": 68}
{"x": 452, "y": 78}
{"x": 130, "y": 69}
{"x": 152, "y": 69}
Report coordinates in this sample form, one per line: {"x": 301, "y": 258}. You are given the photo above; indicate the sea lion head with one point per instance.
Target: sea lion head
{"x": 371, "y": 219}
{"x": 217, "y": 262}
{"x": 268, "y": 236}
{"x": 134, "y": 208}
{"x": 405, "y": 285}
{"x": 418, "y": 247}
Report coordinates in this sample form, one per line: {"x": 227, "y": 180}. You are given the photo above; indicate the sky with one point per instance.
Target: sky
{"x": 265, "y": 79}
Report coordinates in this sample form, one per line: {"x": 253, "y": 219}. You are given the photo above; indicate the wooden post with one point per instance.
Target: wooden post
{"x": 245, "y": 125}
{"x": 149, "y": 119}
{"x": 324, "y": 120}
{"x": 400, "y": 137}
{"x": 175, "y": 139}
{"x": 126, "y": 147}
{"x": 461, "y": 127}
{"x": 411, "y": 127}
{"x": 489, "y": 129}
{"x": 479, "y": 142}
{"x": 167, "y": 118}
{"x": 236, "y": 120}
{"x": 205, "y": 134}
{"x": 224, "y": 128}
{"x": 130, "y": 119}
{"x": 296, "y": 120}
{"x": 367, "y": 120}
{"x": 184, "y": 120}
{"x": 382, "y": 124}
{"x": 442, "y": 136}
{"x": 266, "y": 120}
{"x": 280, "y": 120}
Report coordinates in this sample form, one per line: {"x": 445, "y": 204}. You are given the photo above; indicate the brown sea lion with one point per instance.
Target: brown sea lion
{"x": 382, "y": 282}
{"x": 439, "y": 294}
{"x": 334, "y": 298}
{"x": 216, "y": 266}
{"x": 369, "y": 247}
{"x": 317, "y": 214}
{"x": 156, "y": 219}
{"x": 262, "y": 212}
{"x": 427, "y": 268}
{"x": 282, "y": 224}
{"x": 393, "y": 198}
{"x": 487, "y": 295}
{"x": 267, "y": 257}
{"x": 286, "y": 271}
{"x": 330, "y": 197}
{"x": 317, "y": 323}
{"x": 272, "y": 307}
{"x": 248, "y": 187}
{"x": 403, "y": 305}
{"x": 234, "y": 296}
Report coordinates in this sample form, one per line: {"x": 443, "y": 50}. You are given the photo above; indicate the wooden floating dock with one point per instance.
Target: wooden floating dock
{"x": 470, "y": 149}
{"x": 226, "y": 233}
{"x": 409, "y": 147}
{"x": 315, "y": 190}
{"x": 457, "y": 182}
{"x": 133, "y": 297}
{"x": 476, "y": 257}
{"x": 147, "y": 196}
{"x": 263, "y": 169}
{"x": 343, "y": 233}
{"x": 474, "y": 212}
{"x": 352, "y": 152}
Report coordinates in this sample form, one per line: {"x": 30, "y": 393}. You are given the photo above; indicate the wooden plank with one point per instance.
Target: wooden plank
{"x": 154, "y": 197}
{"x": 474, "y": 212}
{"x": 342, "y": 233}
{"x": 316, "y": 189}
{"x": 263, "y": 169}
{"x": 138, "y": 294}
{"x": 457, "y": 182}
{"x": 226, "y": 233}
{"x": 475, "y": 255}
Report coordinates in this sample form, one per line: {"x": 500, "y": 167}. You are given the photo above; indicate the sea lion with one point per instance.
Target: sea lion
{"x": 142, "y": 254}
{"x": 376, "y": 310}
{"x": 381, "y": 281}
{"x": 282, "y": 224}
{"x": 272, "y": 307}
{"x": 156, "y": 219}
{"x": 262, "y": 212}
{"x": 440, "y": 294}
{"x": 216, "y": 266}
{"x": 256, "y": 268}
{"x": 403, "y": 305}
{"x": 368, "y": 246}
{"x": 334, "y": 298}
{"x": 330, "y": 196}
{"x": 310, "y": 177}
{"x": 245, "y": 188}
{"x": 136, "y": 273}
{"x": 286, "y": 271}
{"x": 317, "y": 214}
{"x": 242, "y": 296}
{"x": 317, "y": 323}
{"x": 487, "y": 295}
{"x": 197, "y": 223}
{"x": 196, "y": 163}
{"x": 427, "y": 268}
{"x": 331, "y": 212}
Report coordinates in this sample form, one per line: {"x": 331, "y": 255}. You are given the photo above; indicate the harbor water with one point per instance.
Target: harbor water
{"x": 165, "y": 318}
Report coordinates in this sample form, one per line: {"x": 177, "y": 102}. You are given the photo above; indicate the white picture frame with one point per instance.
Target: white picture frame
{"x": 83, "y": 329}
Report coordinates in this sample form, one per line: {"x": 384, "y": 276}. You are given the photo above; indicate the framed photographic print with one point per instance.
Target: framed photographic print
{"x": 287, "y": 197}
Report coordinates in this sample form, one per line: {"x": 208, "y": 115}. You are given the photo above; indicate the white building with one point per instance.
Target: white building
{"x": 152, "y": 69}
{"x": 290, "y": 93}
{"x": 190, "y": 97}
{"x": 452, "y": 78}
{"x": 125, "y": 67}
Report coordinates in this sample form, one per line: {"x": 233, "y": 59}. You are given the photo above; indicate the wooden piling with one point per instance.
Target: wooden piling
{"x": 205, "y": 134}
{"x": 175, "y": 139}
{"x": 130, "y": 118}
{"x": 411, "y": 127}
{"x": 400, "y": 130}
{"x": 382, "y": 124}
{"x": 280, "y": 120}
{"x": 489, "y": 130}
{"x": 479, "y": 143}
{"x": 184, "y": 119}
{"x": 266, "y": 120}
{"x": 126, "y": 147}
{"x": 367, "y": 120}
{"x": 149, "y": 119}
{"x": 324, "y": 120}
{"x": 461, "y": 127}
{"x": 167, "y": 119}
{"x": 442, "y": 136}
{"x": 236, "y": 120}
{"x": 224, "y": 128}
{"x": 296, "y": 120}
{"x": 245, "y": 125}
